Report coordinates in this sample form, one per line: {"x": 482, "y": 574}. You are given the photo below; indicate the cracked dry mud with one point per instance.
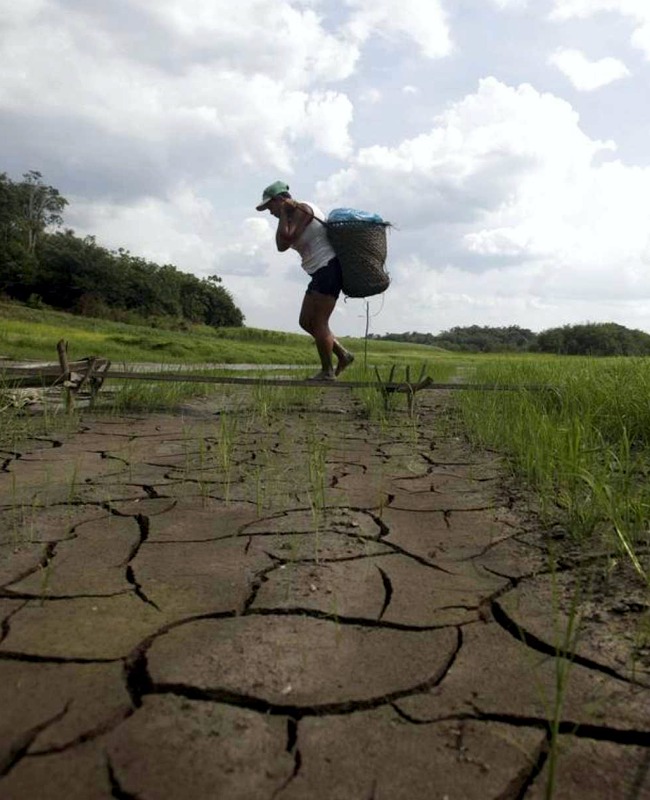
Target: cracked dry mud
{"x": 303, "y": 605}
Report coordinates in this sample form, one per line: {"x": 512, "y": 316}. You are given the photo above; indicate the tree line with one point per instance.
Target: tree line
{"x": 588, "y": 339}
{"x": 473, "y": 339}
{"x": 40, "y": 265}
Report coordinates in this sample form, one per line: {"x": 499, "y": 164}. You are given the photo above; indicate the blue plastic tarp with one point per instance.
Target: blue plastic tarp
{"x": 352, "y": 215}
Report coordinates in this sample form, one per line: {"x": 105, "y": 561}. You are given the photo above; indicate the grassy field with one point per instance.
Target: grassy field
{"x": 33, "y": 333}
{"x": 574, "y": 431}
{"x": 27, "y": 334}
{"x": 582, "y": 445}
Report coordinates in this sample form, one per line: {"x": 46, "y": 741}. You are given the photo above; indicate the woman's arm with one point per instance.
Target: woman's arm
{"x": 294, "y": 218}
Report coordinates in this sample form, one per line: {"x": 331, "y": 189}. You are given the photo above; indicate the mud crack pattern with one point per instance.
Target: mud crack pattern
{"x": 303, "y": 605}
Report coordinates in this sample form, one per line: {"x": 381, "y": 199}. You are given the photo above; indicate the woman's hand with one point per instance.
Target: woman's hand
{"x": 294, "y": 218}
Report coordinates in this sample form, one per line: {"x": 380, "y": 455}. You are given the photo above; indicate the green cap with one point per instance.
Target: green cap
{"x": 270, "y": 192}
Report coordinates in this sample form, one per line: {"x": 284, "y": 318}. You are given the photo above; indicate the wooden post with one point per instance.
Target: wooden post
{"x": 62, "y": 349}
{"x": 409, "y": 389}
{"x": 382, "y": 388}
{"x": 96, "y": 380}
{"x": 92, "y": 363}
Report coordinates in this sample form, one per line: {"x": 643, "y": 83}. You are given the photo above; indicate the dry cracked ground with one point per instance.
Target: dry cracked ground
{"x": 243, "y": 604}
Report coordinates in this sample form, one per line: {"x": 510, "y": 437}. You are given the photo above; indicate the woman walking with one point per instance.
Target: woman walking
{"x": 300, "y": 229}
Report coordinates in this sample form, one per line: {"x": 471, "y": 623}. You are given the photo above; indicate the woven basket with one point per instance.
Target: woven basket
{"x": 361, "y": 248}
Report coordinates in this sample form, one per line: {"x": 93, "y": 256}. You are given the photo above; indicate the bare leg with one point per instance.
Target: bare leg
{"x": 339, "y": 350}
{"x": 345, "y": 359}
{"x": 314, "y": 318}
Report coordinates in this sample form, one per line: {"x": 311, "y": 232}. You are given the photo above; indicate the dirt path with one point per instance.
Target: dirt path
{"x": 296, "y": 606}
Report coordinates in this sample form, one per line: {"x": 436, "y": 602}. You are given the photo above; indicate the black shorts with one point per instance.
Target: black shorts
{"x": 327, "y": 279}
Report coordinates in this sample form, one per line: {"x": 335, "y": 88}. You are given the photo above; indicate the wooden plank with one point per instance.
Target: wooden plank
{"x": 50, "y": 369}
{"x": 226, "y": 379}
{"x": 427, "y": 383}
{"x": 17, "y": 376}
{"x": 39, "y": 376}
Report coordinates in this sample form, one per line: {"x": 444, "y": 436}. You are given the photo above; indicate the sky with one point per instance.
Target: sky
{"x": 507, "y": 141}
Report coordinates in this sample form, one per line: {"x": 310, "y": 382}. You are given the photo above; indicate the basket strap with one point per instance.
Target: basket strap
{"x": 313, "y": 216}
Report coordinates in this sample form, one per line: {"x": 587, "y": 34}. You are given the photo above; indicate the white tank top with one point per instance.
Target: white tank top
{"x": 313, "y": 245}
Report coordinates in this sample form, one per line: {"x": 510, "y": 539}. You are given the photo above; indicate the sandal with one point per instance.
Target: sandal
{"x": 344, "y": 362}
{"x": 322, "y": 376}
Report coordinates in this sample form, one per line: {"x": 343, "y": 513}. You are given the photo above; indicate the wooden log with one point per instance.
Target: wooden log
{"x": 62, "y": 349}
{"x": 74, "y": 376}
{"x": 49, "y": 375}
{"x": 280, "y": 382}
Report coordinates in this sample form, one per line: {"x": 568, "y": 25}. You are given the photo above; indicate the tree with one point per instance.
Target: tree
{"x": 76, "y": 274}
{"x": 40, "y": 207}
{"x": 17, "y": 265}
{"x": 7, "y": 208}
{"x": 594, "y": 339}
{"x": 71, "y": 268}
{"x": 221, "y": 310}
{"x": 474, "y": 339}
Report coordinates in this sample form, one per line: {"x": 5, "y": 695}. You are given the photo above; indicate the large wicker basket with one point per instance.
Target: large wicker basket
{"x": 361, "y": 248}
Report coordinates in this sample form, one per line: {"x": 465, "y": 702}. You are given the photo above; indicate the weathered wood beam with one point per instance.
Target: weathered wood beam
{"x": 48, "y": 376}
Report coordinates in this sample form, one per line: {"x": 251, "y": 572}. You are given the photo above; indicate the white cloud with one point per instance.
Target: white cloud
{"x": 637, "y": 10}
{"x": 422, "y": 21}
{"x": 588, "y": 75}
{"x": 181, "y": 228}
{"x": 14, "y": 13}
{"x": 186, "y": 86}
{"x": 504, "y": 205}
{"x": 175, "y": 113}
{"x": 565, "y": 9}
{"x": 510, "y": 241}
{"x": 326, "y": 119}
{"x": 371, "y": 96}
{"x": 641, "y": 38}
{"x": 510, "y": 4}
{"x": 526, "y": 295}
{"x": 474, "y": 159}
{"x": 279, "y": 40}
{"x": 55, "y": 68}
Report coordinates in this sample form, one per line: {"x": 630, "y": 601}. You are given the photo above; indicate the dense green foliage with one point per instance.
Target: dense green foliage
{"x": 473, "y": 339}
{"x": 76, "y": 274}
{"x": 594, "y": 339}
{"x": 590, "y": 339}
